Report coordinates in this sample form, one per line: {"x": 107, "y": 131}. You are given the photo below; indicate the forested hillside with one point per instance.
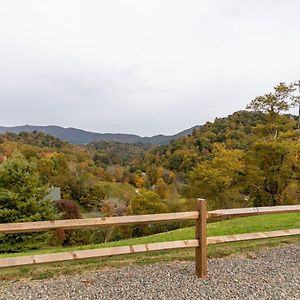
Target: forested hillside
{"x": 250, "y": 158}
{"x": 182, "y": 155}
{"x": 79, "y": 136}
{"x": 242, "y": 160}
{"x": 115, "y": 153}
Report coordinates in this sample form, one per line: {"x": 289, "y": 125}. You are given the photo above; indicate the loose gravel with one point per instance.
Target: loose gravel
{"x": 269, "y": 274}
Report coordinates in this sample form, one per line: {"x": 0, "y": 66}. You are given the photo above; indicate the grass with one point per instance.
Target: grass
{"x": 227, "y": 227}
{"x": 117, "y": 190}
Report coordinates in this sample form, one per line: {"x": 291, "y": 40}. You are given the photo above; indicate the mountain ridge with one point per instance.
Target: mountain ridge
{"x": 80, "y": 136}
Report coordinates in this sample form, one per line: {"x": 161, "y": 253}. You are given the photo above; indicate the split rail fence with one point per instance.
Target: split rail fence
{"x": 200, "y": 242}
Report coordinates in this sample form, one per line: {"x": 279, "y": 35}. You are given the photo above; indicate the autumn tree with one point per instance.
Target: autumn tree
{"x": 23, "y": 198}
{"x": 93, "y": 197}
{"x": 162, "y": 189}
{"x": 218, "y": 179}
{"x": 273, "y": 104}
{"x": 69, "y": 210}
{"x": 272, "y": 172}
{"x": 272, "y": 164}
{"x": 139, "y": 180}
{"x": 147, "y": 202}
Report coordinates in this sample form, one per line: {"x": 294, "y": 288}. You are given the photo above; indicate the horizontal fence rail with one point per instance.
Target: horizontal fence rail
{"x": 199, "y": 243}
{"x": 251, "y": 211}
{"x": 95, "y": 253}
{"x": 252, "y": 236}
{"x": 141, "y": 219}
{"x": 96, "y": 222}
{"x": 116, "y": 251}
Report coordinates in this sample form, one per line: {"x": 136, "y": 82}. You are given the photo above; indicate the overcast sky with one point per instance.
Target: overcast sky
{"x": 141, "y": 66}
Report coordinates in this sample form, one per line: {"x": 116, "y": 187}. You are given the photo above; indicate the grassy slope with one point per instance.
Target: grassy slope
{"x": 117, "y": 190}
{"x": 234, "y": 226}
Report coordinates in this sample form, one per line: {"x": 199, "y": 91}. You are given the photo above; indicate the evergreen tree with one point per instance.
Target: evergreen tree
{"x": 23, "y": 198}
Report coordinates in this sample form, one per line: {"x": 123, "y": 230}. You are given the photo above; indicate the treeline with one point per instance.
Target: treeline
{"x": 115, "y": 153}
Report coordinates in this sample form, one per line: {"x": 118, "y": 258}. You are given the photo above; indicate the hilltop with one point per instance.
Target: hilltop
{"x": 79, "y": 136}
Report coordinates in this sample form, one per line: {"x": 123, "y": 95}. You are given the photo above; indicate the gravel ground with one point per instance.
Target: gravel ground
{"x": 269, "y": 274}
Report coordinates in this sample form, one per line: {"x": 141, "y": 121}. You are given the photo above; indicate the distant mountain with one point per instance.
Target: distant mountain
{"x": 79, "y": 136}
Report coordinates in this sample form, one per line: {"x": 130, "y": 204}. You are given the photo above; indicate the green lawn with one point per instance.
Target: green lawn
{"x": 234, "y": 226}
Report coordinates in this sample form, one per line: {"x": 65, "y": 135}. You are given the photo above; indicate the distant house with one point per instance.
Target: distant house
{"x": 55, "y": 193}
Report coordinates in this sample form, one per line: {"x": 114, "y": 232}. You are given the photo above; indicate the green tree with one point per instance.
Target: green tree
{"x": 218, "y": 179}
{"x": 147, "y": 202}
{"x": 23, "y": 198}
{"x": 93, "y": 197}
{"x": 273, "y": 104}
{"x": 271, "y": 167}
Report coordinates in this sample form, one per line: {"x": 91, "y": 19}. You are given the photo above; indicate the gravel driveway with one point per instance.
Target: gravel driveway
{"x": 269, "y": 274}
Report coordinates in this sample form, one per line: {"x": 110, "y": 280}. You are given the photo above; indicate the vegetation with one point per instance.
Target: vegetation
{"x": 114, "y": 153}
{"x": 250, "y": 158}
{"x": 23, "y": 198}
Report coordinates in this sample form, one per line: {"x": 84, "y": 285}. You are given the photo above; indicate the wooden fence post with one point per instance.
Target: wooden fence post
{"x": 201, "y": 236}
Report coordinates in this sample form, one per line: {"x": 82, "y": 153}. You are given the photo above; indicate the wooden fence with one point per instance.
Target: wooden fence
{"x": 200, "y": 242}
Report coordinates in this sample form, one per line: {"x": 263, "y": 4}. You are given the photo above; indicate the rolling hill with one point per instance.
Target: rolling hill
{"x": 79, "y": 136}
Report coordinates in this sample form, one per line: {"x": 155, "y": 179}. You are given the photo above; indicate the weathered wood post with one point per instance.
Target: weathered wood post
{"x": 201, "y": 236}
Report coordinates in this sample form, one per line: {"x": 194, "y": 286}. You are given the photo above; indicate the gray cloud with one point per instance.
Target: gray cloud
{"x": 142, "y": 67}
